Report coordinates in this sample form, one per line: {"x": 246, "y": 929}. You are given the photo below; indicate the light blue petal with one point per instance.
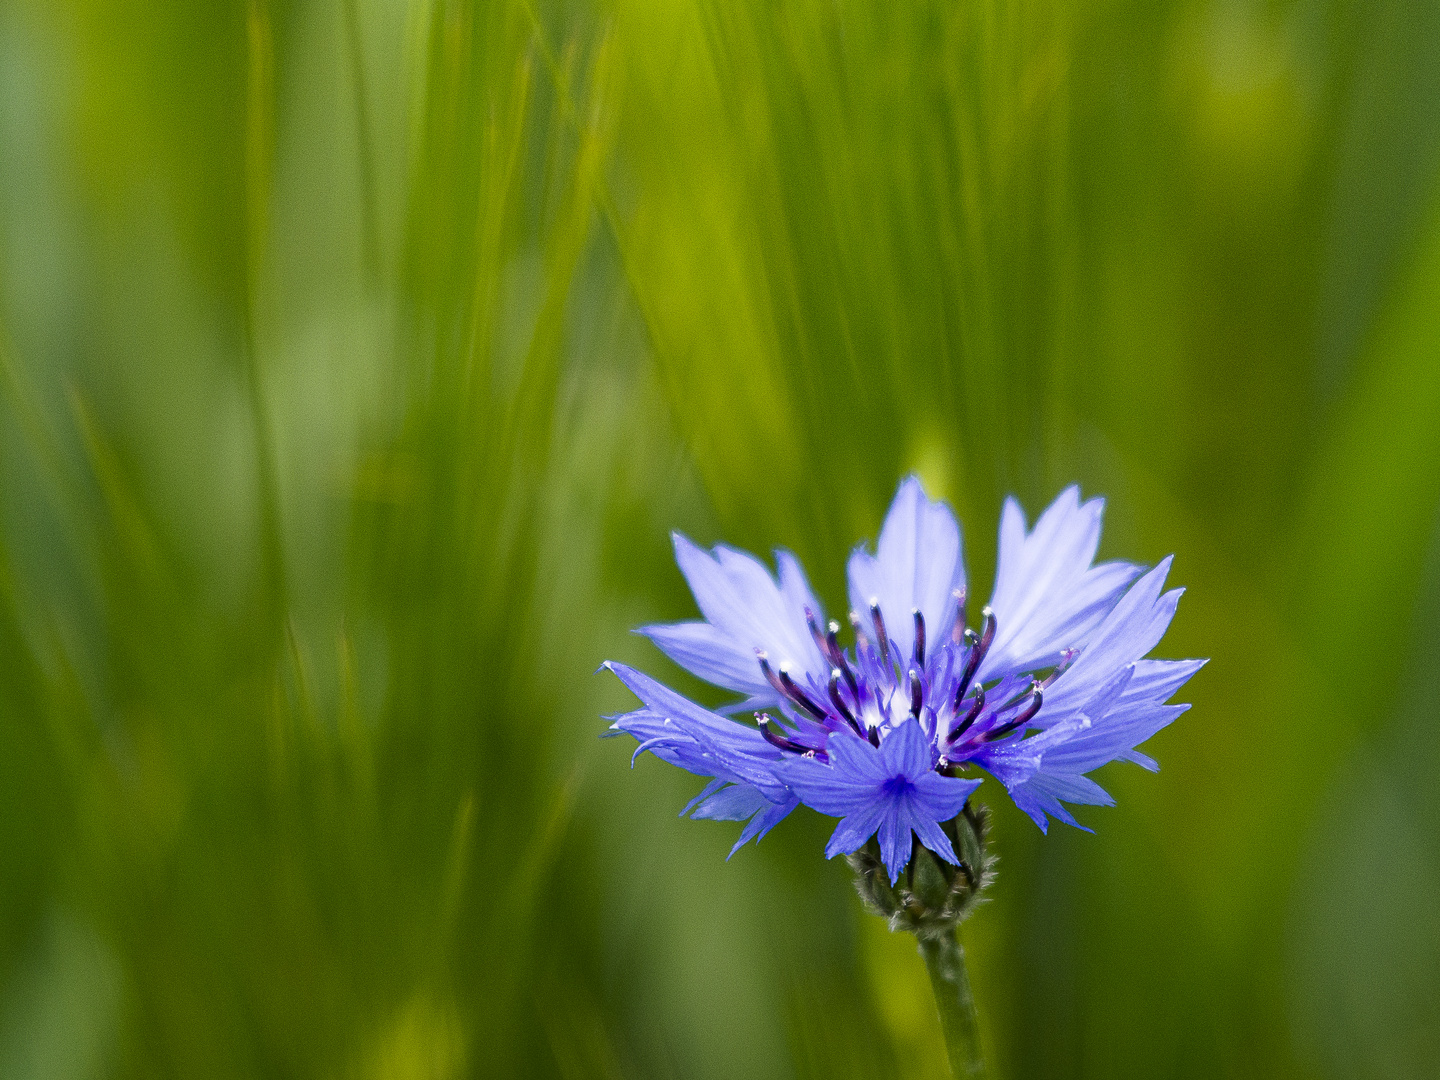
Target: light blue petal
{"x": 1072, "y": 788}
{"x": 1047, "y": 596}
{"x": 738, "y": 596}
{"x": 1145, "y": 761}
{"x": 716, "y": 746}
{"x": 795, "y": 587}
{"x": 1157, "y": 680}
{"x": 1110, "y": 738}
{"x": 706, "y": 651}
{"x": 1131, "y": 629}
{"x": 917, "y": 565}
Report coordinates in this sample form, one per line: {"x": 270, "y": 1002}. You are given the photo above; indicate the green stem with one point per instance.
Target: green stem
{"x": 945, "y": 961}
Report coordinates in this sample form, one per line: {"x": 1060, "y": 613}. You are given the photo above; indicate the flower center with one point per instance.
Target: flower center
{"x": 875, "y": 689}
{"x": 897, "y": 786}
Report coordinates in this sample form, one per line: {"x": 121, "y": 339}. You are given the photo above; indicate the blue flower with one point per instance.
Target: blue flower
{"x": 892, "y": 788}
{"x": 887, "y": 735}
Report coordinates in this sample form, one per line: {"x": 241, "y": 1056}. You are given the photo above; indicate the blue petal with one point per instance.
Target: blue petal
{"x": 934, "y": 838}
{"x": 756, "y": 828}
{"x": 1048, "y": 597}
{"x": 895, "y": 838}
{"x": 696, "y": 739}
{"x": 941, "y": 797}
{"x": 749, "y": 611}
{"x": 1012, "y": 762}
{"x": 851, "y": 782}
{"x": 1037, "y": 803}
{"x": 714, "y": 656}
{"x": 737, "y": 802}
{"x": 907, "y": 751}
{"x": 1131, "y": 629}
{"x": 1157, "y": 680}
{"x": 856, "y": 828}
{"x": 1145, "y": 761}
{"x": 1110, "y": 738}
{"x": 1073, "y": 789}
{"x": 1041, "y": 795}
{"x": 917, "y": 566}
{"x": 795, "y": 588}
{"x": 709, "y": 789}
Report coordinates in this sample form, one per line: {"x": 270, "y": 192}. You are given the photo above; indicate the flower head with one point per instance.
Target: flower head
{"x": 888, "y": 734}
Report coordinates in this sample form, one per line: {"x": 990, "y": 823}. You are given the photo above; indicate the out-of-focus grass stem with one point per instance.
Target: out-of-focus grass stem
{"x": 365, "y": 150}
{"x": 259, "y": 160}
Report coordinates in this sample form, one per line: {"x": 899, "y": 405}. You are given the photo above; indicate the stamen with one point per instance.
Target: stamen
{"x": 958, "y": 630}
{"x": 1066, "y": 659}
{"x": 977, "y": 705}
{"x": 799, "y": 696}
{"x": 978, "y": 648}
{"x": 987, "y": 631}
{"x": 861, "y": 641}
{"x": 879, "y": 621}
{"x": 1021, "y": 720}
{"x": 839, "y": 702}
{"x": 919, "y": 639}
{"x": 837, "y": 657}
{"x": 917, "y": 695}
{"x": 1019, "y": 696}
{"x": 775, "y": 683}
{"x": 815, "y": 633}
{"x": 775, "y": 739}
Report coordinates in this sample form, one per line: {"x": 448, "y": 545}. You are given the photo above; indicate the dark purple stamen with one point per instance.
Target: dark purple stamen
{"x": 1066, "y": 659}
{"x": 769, "y": 674}
{"x": 837, "y": 658}
{"x": 883, "y": 638}
{"x": 919, "y": 639}
{"x": 815, "y": 633}
{"x": 1017, "y": 698}
{"x": 917, "y": 695}
{"x": 977, "y": 704}
{"x": 780, "y": 742}
{"x": 798, "y": 696}
{"x": 839, "y": 702}
{"x": 979, "y": 646}
{"x": 1021, "y": 720}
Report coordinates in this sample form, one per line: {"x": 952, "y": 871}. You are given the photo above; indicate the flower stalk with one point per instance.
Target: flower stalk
{"x": 945, "y": 961}
{"x": 930, "y": 900}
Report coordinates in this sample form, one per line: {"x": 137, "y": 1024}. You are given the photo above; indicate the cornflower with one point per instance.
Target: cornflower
{"x": 894, "y": 733}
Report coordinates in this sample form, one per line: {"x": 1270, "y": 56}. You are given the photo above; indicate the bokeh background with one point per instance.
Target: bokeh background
{"x": 357, "y": 358}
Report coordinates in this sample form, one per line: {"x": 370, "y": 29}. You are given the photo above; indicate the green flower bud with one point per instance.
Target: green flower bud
{"x": 931, "y": 897}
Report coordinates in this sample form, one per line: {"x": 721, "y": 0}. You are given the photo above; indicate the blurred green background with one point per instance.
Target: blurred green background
{"x": 357, "y": 357}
